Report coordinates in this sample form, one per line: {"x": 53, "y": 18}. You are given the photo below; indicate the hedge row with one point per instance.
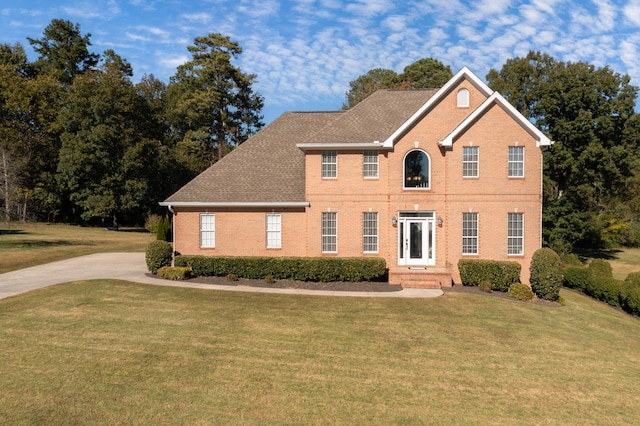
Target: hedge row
{"x": 291, "y": 268}
{"x": 596, "y": 281}
{"x": 501, "y": 274}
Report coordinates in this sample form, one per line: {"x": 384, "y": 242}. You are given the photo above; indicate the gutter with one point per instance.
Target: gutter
{"x": 270, "y": 204}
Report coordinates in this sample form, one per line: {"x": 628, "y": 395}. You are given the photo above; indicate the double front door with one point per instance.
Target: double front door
{"x": 416, "y": 238}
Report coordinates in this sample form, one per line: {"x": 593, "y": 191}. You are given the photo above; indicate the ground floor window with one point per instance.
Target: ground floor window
{"x": 207, "y": 230}
{"x": 515, "y": 233}
{"x": 469, "y": 233}
{"x": 329, "y": 232}
{"x": 370, "y": 232}
{"x": 274, "y": 231}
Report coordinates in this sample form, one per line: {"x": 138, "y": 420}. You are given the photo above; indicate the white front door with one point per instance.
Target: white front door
{"x": 416, "y": 240}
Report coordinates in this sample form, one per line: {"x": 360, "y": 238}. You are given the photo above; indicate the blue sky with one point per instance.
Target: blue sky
{"x": 305, "y": 52}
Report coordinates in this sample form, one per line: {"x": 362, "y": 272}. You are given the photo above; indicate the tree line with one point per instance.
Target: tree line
{"x": 80, "y": 143}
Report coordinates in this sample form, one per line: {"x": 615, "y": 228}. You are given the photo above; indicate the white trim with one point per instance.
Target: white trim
{"x": 234, "y": 204}
{"x": 212, "y": 231}
{"x": 339, "y": 146}
{"x": 541, "y": 139}
{"x": 464, "y": 73}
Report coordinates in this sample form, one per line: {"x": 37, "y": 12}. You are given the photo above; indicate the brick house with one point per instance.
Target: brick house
{"x": 421, "y": 178}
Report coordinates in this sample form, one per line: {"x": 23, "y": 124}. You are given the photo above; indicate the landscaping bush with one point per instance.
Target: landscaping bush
{"x": 501, "y": 274}
{"x": 176, "y": 273}
{"x": 269, "y": 279}
{"x": 485, "y": 286}
{"x": 630, "y": 300}
{"x": 151, "y": 223}
{"x": 546, "y": 274}
{"x": 571, "y": 259}
{"x": 605, "y": 289}
{"x": 158, "y": 254}
{"x": 293, "y": 268}
{"x": 633, "y": 278}
{"x": 163, "y": 229}
{"x": 577, "y": 277}
{"x": 521, "y": 292}
{"x": 601, "y": 268}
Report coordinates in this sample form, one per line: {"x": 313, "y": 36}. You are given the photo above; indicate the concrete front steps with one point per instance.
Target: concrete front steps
{"x": 420, "y": 277}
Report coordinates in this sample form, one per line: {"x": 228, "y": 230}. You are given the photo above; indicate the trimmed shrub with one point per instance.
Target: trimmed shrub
{"x": 269, "y": 279}
{"x": 292, "y": 268}
{"x": 176, "y": 273}
{"x": 633, "y": 278}
{"x": 605, "y": 289}
{"x": 571, "y": 259}
{"x": 521, "y": 292}
{"x": 601, "y": 268}
{"x": 158, "y": 254}
{"x": 163, "y": 230}
{"x": 577, "y": 277}
{"x": 232, "y": 277}
{"x": 546, "y": 274}
{"x": 501, "y": 274}
{"x": 630, "y": 300}
{"x": 485, "y": 286}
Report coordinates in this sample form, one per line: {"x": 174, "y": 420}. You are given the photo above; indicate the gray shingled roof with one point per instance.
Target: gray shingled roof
{"x": 375, "y": 118}
{"x": 266, "y": 168}
{"x": 269, "y": 167}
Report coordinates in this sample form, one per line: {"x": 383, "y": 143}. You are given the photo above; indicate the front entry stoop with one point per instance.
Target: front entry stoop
{"x": 417, "y": 277}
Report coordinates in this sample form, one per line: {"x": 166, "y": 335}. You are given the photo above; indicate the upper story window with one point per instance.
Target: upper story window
{"x": 516, "y": 161}
{"x": 470, "y": 157}
{"x": 463, "y": 98}
{"x": 417, "y": 172}
{"x": 370, "y": 164}
{"x": 329, "y": 164}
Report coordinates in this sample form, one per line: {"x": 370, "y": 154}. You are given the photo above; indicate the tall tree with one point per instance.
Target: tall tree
{"x": 107, "y": 160}
{"x": 214, "y": 99}
{"x": 425, "y": 73}
{"x": 586, "y": 111}
{"x": 63, "y": 51}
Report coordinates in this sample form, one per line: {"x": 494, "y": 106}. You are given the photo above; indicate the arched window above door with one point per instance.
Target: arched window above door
{"x": 417, "y": 171}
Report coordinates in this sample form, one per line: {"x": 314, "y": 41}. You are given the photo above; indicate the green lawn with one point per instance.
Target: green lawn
{"x": 111, "y": 352}
{"x": 24, "y": 245}
{"x": 622, "y": 261}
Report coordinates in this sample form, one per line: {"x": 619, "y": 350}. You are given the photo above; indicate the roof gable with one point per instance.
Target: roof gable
{"x": 463, "y": 74}
{"x": 496, "y": 98}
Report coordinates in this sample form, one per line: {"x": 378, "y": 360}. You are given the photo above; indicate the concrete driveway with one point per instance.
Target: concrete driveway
{"x": 132, "y": 267}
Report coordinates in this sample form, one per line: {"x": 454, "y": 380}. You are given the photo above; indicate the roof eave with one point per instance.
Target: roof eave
{"x": 256, "y": 204}
{"x": 339, "y": 146}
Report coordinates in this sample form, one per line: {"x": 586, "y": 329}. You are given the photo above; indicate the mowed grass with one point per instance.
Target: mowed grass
{"x": 112, "y": 352}
{"x": 24, "y": 245}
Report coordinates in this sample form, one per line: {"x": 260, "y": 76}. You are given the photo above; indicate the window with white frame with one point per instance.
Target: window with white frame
{"x": 416, "y": 170}
{"x": 274, "y": 231}
{"x": 329, "y": 232}
{"x": 370, "y": 164}
{"x": 470, "y": 157}
{"x": 370, "y": 232}
{"x": 207, "y": 230}
{"x": 515, "y": 233}
{"x": 469, "y": 233}
{"x": 329, "y": 164}
{"x": 463, "y": 98}
{"x": 516, "y": 161}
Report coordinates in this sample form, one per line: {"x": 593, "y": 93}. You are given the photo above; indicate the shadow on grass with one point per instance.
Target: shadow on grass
{"x": 606, "y": 254}
{"x": 30, "y": 244}
{"x": 12, "y": 232}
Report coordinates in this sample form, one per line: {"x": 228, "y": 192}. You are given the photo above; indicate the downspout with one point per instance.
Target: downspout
{"x": 173, "y": 236}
